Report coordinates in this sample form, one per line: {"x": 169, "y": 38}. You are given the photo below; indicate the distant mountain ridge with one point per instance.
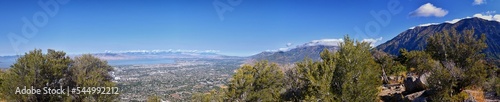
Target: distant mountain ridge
{"x": 294, "y": 55}
{"x": 415, "y": 38}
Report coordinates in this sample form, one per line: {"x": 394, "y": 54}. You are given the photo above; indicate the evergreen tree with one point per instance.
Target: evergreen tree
{"x": 262, "y": 82}
{"x": 37, "y": 70}
{"x": 389, "y": 66}
{"x": 55, "y": 70}
{"x": 462, "y": 63}
{"x": 464, "y": 51}
{"x": 357, "y": 75}
{"x": 89, "y": 71}
{"x": 317, "y": 77}
{"x": 240, "y": 85}
{"x": 418, "y": 62}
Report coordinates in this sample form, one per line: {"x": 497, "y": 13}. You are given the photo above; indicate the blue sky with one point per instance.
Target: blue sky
{"x": 253, "y": 26}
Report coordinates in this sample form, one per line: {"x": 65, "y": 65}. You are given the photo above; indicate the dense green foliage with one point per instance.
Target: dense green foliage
{"x": 55, "y": 70}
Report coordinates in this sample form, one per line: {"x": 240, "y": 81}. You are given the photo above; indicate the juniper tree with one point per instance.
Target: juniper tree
{"x": 55, "y": 70}
{"x": 357, "y": 76}
{"x": 317, "y": 77}
{"x": 462, "y": 61}
{"x": 261, "y": 82}
{"x": 38, "y": 70}
{"x": 90, "y": 71}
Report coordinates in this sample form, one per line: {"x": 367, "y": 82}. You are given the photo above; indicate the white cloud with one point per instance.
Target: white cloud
{"x": 453, "y": 21}
{"x": 372, "y": 41}
{"x": 428, "y": 10}
{"x": 284, "y": 49}
{"x": 325, "y": 42}
{"x": 490, "y": 17}
{"x": 336, "y": 42}
{"x": 288, "y": 44}
{"x": 478, "y": 2}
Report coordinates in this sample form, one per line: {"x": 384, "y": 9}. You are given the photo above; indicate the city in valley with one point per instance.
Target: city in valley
{"x": 176, "y": 81}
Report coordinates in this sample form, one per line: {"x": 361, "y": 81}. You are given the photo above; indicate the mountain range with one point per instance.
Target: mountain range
{"x": 294, "y": 55}
{"x": 411, "y": 39}
{"x": 415, "y": 38}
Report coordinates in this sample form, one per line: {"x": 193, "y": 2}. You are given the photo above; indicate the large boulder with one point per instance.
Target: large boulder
{"x": 411, "y": 85}
{"x": 414, "y": 83}
{"x": 422, "y": 80}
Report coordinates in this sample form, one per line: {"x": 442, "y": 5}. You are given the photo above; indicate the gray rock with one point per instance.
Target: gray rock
{"x": 416, "y": 83}
{"x": 416, "y": 97}
{"x": 410, "y": 84}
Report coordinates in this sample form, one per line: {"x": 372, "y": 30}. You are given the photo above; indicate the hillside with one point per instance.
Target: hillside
{"x": 415, "y": 38}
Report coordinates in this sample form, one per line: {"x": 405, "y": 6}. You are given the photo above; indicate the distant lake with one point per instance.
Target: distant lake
{"x": 140, "y": 61}
{"x": 5, "y": 63}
